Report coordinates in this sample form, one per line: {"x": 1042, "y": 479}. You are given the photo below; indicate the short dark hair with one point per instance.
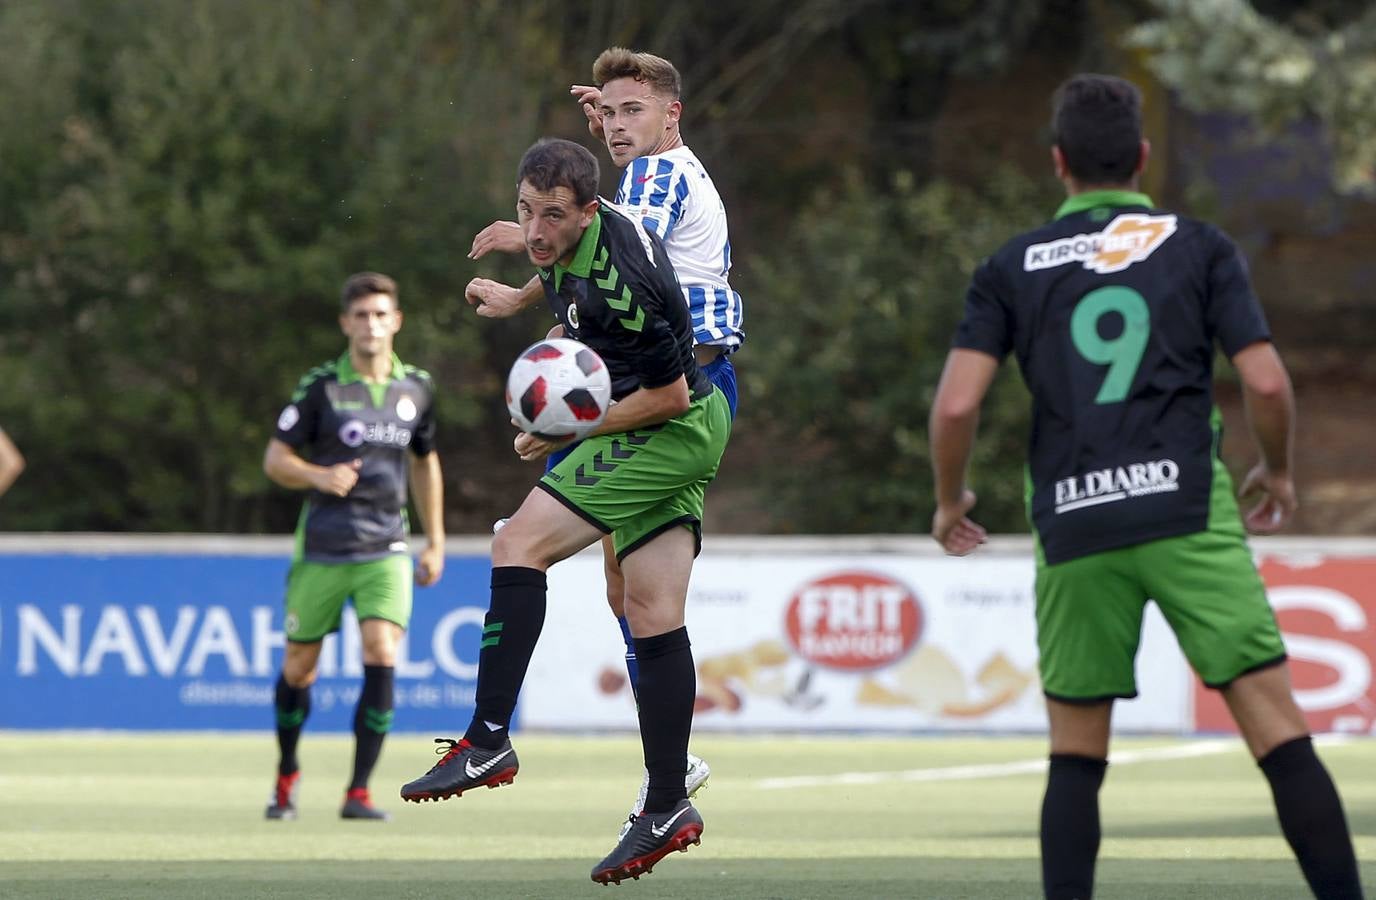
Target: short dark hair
{"x": 1096, "y": 120}
{"x": 552, "y": 163}
{"x": 365, "y": 284}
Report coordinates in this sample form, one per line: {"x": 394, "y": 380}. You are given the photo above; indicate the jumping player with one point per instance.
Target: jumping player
{"x": 640, "y": 477}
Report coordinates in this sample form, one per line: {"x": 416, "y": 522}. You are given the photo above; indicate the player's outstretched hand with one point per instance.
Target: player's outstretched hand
{"x": 588, "y": 97}
{"x": 502, "y": 236}
{"x": 430, "y": 565}
{"x": 953, "y": 530}
{"x": 338, "y": 479}
{"x": 492, "y": 299}
{"x": 1277, "y": 502}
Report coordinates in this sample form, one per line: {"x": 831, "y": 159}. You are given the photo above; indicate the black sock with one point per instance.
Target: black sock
{"x": 1311, "y": 817}
{"x": 668, "y": 685}
{"x": 292, "y": 705}
{"x": 372, "y": 721}
{"x": 512, "y": 627}
{"x": 1070, "y": 826}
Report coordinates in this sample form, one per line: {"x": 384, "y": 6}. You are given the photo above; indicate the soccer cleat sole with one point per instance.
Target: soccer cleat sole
{"x": 506, "y": 776}
{"x": 685, "y": 837}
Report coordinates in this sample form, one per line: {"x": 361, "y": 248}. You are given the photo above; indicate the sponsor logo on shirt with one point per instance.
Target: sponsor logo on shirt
{"x": 1129, "y": 238}
{"x": 1121, "y": 483}
{"x": 354, "y": 433}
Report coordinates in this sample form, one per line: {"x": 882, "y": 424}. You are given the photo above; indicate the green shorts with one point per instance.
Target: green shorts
{"x": 1089, "y": 613}
{"x": 380, "y": 588}
{"x": 639, "y": 484}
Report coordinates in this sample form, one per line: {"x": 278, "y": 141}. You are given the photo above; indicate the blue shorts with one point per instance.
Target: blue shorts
{"x": 719, "y": 371}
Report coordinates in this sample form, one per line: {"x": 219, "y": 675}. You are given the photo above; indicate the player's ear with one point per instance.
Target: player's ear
{"x": 1143, "y": 155}
{"x": 1058, "y": 161}
{"x": 587, "y": 212}
{"x": 396, "y": 322}
{"x": 674, "y": 111}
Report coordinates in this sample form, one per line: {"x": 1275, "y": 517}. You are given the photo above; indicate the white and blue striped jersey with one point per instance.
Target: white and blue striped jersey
{"x": 674, "y": 197}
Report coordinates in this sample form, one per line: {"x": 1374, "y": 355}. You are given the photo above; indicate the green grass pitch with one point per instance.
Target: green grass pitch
{"x": 181, "y": 816}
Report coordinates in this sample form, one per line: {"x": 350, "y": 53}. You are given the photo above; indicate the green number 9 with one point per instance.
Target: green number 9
{"x": 1122, "y": 354}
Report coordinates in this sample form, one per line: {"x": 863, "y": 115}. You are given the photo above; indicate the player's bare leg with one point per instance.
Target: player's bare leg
{"x": 1070, "y": 809}
{"x": 657, "y": 577}
{"x": 1307, "y": 803}
{"x": 542, "y": 532}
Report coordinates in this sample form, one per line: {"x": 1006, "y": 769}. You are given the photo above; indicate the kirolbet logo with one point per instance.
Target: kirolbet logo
{"x": 1129, "y": 238}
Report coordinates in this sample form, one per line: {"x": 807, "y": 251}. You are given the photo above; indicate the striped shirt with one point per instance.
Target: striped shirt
{"x": 673, "y": 196}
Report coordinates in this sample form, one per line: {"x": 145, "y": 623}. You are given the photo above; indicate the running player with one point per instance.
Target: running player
{"x": 367, "y": 419}
{"x": 635, "y": 110}
{"x": 1113, "y": 311}
{"x": 639, "y": 477}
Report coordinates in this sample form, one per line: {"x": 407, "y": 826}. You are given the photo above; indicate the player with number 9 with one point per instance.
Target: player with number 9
{"x": 1114, "y": 310}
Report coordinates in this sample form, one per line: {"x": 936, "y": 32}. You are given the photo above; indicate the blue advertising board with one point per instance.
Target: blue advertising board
{"x": 194, "y": 641}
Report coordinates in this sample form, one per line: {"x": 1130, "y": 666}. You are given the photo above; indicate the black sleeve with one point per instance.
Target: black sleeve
{"x": 296, "y": 424}
{"x": 646, "y": 331}
{"x": 988, "y": 322}
{"x": 423, "y": 437}
{"x": 1232, "y": 312}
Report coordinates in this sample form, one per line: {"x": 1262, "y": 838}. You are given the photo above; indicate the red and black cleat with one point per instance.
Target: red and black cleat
{"x": 282, "y": 804}
{"x": 651, "y": 837}
{"x": 463, "y": 767}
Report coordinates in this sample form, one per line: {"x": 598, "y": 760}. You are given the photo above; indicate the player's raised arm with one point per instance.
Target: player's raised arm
{"x": 494, "y": 300}
{"x": 501, "y": 236}
{"x": 1270, "y": 404}
{"x": 589, "y": 98}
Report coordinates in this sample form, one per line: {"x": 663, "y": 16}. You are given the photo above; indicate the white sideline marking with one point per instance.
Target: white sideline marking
{"x": 1020, "y": 767}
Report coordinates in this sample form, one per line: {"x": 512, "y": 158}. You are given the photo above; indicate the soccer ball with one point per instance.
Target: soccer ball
{"x": 558, "y": 389}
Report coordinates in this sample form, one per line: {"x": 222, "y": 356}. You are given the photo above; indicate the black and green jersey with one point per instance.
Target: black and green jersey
{"x": 341, "y": 418}
{"x": 620, "y": 296}
{"x": 1113, "y": 310}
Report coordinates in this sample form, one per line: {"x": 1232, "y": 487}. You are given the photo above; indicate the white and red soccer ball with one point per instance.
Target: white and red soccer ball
{"x": 558, "y": 388}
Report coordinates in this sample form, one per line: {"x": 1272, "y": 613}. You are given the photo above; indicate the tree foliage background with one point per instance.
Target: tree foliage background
{"x": 184, "y": 184}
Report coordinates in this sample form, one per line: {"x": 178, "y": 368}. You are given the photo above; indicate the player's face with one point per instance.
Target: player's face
{"x": 636, "y": 122}
{"x": 370, "y": 323}
{"x": 551, "y": 223}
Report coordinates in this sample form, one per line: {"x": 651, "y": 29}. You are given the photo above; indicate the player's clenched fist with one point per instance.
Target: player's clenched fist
{"x": 492, "y": 298}
{"x": 338, "y": 479}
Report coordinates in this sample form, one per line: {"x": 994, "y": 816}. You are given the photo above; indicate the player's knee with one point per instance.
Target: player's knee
{"x": 512, "y": 546}
{"x": 298, "y": 674}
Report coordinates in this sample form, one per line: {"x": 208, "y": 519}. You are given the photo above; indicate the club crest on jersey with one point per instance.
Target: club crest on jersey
{"x": 406, "y": 409}
{"x": 289, "y": 417}
{"x": 572, "y": 313}
{"x": 1129, "y": 238}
